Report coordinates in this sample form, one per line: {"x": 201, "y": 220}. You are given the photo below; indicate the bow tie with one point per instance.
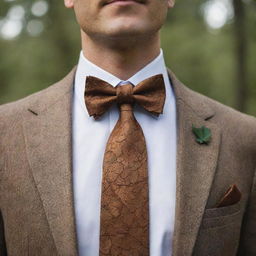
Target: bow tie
{"x": 100, "y": 95}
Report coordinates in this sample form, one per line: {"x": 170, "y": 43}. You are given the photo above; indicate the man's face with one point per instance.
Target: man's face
{"x": 116, "y": 18}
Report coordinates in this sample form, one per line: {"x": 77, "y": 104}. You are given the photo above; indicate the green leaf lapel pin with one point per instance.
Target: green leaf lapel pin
{"x": 203, "y": 134}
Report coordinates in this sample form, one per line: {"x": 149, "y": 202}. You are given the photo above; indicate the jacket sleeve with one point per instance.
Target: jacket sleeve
{"x": 3, "y": 251}
{"x": 247, "y": 244}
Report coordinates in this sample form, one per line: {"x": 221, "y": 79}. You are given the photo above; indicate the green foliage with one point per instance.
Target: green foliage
{"x": 204, "y": 59}
{"x": 4, "y": 8}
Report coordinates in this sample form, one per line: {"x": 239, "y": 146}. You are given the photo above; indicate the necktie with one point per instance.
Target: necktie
{"x": 124, "y": 221}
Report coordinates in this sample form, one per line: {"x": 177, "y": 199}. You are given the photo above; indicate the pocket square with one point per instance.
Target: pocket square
{"x": 232, "y": 196}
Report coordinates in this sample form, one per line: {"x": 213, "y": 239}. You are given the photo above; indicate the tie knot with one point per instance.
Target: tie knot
{"x": 124, "y": 93}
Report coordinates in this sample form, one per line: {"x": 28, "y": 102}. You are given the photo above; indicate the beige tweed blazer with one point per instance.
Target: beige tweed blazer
{"x": 36, "y": 195}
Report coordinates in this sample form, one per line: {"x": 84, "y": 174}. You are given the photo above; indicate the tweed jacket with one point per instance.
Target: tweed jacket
{"x": 36, "y": 195}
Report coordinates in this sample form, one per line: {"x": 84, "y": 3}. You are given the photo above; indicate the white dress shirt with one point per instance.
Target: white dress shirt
{"x": 89, "y": 141}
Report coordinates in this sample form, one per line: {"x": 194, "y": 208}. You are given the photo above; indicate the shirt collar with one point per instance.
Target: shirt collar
{"x": 87, "y": 68}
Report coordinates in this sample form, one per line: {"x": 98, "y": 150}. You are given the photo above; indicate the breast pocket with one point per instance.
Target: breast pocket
{"x": 219, "y": 232}
{"x": 216, "y": 217}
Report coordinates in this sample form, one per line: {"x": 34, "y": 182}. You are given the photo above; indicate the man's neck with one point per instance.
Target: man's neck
{"x": 122, "y": 62}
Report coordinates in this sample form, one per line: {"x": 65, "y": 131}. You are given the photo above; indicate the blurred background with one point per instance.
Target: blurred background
{"x": 209, "y": 44}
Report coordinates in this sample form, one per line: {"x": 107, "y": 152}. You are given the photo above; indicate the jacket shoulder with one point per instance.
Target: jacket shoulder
{"x": 238, "y": 127}
{"x": 41, "y": 100}
{"x": 224, "y": 112}
{"x": 227, "y": 115}
{"x": 208, "y": 107}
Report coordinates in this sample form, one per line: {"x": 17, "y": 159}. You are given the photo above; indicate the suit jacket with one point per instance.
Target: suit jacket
{"x": 36, "y": 200}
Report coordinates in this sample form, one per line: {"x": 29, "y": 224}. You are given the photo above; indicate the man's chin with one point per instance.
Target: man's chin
{"x": 121, "y": 35}
{"x": 126, "y": 30}
{"x": 123, "y": 40}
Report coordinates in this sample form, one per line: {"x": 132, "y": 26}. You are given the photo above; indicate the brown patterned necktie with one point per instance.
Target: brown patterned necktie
{"x": 124, "y": 222}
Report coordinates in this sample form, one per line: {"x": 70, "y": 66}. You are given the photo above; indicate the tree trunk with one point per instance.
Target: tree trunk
{"x": 241, "y": 54}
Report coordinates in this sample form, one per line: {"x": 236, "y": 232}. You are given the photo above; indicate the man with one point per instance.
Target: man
{"x": 199, "y": 197}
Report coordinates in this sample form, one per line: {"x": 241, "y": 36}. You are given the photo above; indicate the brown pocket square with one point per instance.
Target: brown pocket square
{"x": 232, "y": 196}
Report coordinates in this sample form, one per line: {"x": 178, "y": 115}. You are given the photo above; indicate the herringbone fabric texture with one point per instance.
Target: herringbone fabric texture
{"x": 124, "y": 228}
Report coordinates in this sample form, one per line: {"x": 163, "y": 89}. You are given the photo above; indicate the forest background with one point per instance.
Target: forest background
{"x": 209, "y": 44}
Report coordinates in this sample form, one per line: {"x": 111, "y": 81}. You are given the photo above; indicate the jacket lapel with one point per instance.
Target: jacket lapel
{"x": 196, "y": 165}
{"x": 47, "y": 129}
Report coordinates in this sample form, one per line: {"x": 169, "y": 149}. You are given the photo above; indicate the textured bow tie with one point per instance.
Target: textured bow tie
{"x": 100, "y": 95}
{"x": 124, "y": 215}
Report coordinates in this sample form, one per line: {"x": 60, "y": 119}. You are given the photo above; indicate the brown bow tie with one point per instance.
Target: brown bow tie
{"x": 124, "y": 221}
{"x": 100, "y": 95}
